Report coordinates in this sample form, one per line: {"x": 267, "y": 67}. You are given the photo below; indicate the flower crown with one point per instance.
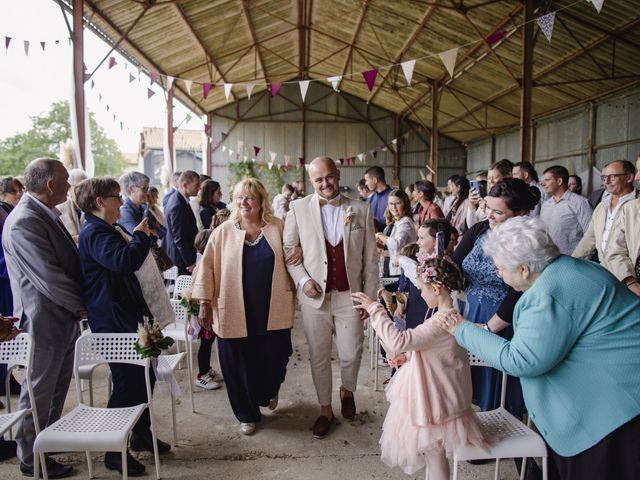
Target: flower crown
{"x": 427, "y": 273}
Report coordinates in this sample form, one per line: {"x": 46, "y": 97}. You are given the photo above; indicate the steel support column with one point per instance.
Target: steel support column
{"x": 209, "y": 166}
{"x": 78, "y": 77}
{"x": 526, "y": 83}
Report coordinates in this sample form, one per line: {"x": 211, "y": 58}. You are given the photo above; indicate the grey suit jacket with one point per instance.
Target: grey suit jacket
{"x": 303, "y": 227}
{"x": 44, "y": 268}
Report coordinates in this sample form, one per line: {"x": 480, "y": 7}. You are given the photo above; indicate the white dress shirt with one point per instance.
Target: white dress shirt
{"x": 611, "y": 215}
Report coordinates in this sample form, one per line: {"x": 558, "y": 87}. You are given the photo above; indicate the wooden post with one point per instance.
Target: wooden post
{"x": 78, "y": 77}
{"x": 395, "y": 182}
{"x": 590, "y": 149}
{"x": 526, "y": 83}
{"x": 433, "y": 153}
{"x": 170, "y": 127}
{"x": 209, "y": 169}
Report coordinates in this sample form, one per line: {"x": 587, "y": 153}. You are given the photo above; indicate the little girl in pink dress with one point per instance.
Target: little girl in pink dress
{"x": 430, "y": 395}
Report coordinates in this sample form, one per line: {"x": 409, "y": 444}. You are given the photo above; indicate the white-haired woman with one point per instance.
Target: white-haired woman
{"x": 576, "y": 349}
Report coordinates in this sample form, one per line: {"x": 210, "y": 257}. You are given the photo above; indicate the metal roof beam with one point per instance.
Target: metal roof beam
{"x": 254, "y": 38}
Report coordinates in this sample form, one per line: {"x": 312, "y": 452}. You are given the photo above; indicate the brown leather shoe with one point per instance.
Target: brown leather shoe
{"x": 322, "y": 426}
{"x": 348, "y": 408}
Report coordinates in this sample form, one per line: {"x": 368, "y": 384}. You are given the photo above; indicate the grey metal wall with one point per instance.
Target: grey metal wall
{"x": 564, "y": 139}
{"x": 336, "y": 125}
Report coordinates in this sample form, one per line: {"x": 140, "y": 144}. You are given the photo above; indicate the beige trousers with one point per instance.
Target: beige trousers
{"x": 335, "y": 316}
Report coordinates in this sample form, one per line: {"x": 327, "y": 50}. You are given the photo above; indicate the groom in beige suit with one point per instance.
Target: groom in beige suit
{"x": 336, "y": 235}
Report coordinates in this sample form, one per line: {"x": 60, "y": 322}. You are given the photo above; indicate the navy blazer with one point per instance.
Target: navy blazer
{"x": 181, "y": 232}
{"x": 166, "y": 198}
{"x": 112, "y": 294}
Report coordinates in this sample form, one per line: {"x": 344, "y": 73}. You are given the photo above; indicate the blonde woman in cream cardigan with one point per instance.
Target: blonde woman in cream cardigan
{"x": 246, "y": 294}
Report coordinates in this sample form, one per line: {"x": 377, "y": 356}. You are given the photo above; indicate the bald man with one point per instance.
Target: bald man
{"x": 337, "y": 237}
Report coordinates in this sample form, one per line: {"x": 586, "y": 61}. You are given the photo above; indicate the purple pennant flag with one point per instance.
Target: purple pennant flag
{"x": 7, "y": 41}
{"x": 370, "y": 78}
{"x": 207, "y": 130}
{"x": 256, "y": 150}
{"x": 150, "y": 93}
{"x": 112, "y": 62}
{"x": 154, "y": 77}
{"x": 206, "y": 88}
{"x": 301, "y": 160}
{"x": 86, "y": 78}
{"x": 43, "y": 44}
{"x": 495, "y": 37}
{"x": 274, "y": 88}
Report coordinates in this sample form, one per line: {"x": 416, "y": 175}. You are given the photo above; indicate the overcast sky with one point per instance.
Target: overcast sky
{"x": 30, "y": 84}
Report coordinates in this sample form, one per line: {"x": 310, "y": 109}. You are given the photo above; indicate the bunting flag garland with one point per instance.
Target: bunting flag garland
{"x": 170, "y": 80}
{"x": 407, "y": 69}
{"x": 370, "y": 78}
{"x": 26, "y": 47}
{"x": 230, "y": 153}
{"x": 150, "y": 93}
{"x": 304, "y": 85}
{"x": 42, "y": 44}
{"x": 339, "y": 161}
{"x": 154, "y": 77}
{"x": 301, "y": 160}
{"x": 270, "y": 164}
{"x": 449, "y": 60}
{"x": 361, "y": 157}
{"x": 227, "y": 90}
{"x": 131, "y": 78}
{"x": 112, "y": 62}
{"x": 7, "y": 41}
{"x": 273, "y": 156}
{"x": 256, "y": 150}
{"x": 187, "y": 84}
{"x": 187, "y": 118}
{"x": 274, "y": 88}
{"x": 206, "y": 88}
{"x": 374, "y": 153}
{"x": 597, "y": 4}
{"x": 545, "y": 23}
{"x": 224, "y": 148}
{"x": 334, "y": 81}
{"x": 495, "y": 37}
{"x": 249, "y": 88}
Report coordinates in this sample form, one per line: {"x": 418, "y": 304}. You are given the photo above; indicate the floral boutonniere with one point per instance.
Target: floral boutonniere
{"x": 348, "y": 215}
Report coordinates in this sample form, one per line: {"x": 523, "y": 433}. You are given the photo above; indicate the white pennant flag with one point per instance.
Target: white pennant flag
{"x": 230, "y": 153}
{"x": 449, "y": 60}
{"x": 249, "y": 88}
{"x": 304, "y": 85}
{"x": 224, "y": 148}
{"x": 188, "y": 83}
{"x": 26, "y": 47}
{"x": 273, "y": 156}
{"x": 270, "y": 164}
{"x": 306, "y": 167}
{"x": 407, "y": 69}
{"x": 227, "y": 90}
{"x": 169, "y": 82}
{"x": 545, "y": 23}
{"x": 598, "y": 4}
{"x": 334, "y": 81}
{"x": 361, "y": 156}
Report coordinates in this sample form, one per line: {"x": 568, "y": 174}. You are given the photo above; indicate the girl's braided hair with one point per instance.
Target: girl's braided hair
{"x": 443, "y": 272}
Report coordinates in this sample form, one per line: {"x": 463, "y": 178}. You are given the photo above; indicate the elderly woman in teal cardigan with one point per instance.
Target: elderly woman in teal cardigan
{"x": 576, "y": 349}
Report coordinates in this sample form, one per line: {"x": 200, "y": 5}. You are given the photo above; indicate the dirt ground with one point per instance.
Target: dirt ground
{"x": 211, "y": 446}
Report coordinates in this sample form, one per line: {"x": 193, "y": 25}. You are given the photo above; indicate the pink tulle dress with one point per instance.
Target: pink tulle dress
{"x": 429, "y": 396}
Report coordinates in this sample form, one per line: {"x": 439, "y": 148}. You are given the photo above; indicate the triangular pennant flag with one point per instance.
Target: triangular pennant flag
{"x": 224, "y": 148}
{"x": 249, "y": 87}
{"x": 407, "y": 69}
{"x": 245, "y": 158}
{"x": 270, "y": 164}
{"x": 188, "y": 118}
{"x": 237, "y": 155}
{"x": 361, "y": 157}
{"x": 7, "y": 41}
{"x": 120, "y": 125}
{"x": 449, "y": 60}
{"x": 112, "y": 62}
{"x": 495, "y": 37}
{"x": 227, "y": 90}
{"x": 207, "y": 130}
{"x": 256, "y": 150}
{"x": 545, "y": 23}
{"x": 383, "y": 148}
{"x": 287, "y": 159}
{"x": 274, "y": 88}
{"x": 154, "y": 77}
{"x": 370, "y": 78}
{"x": 108, "y": 108}
{"x": 26, "y": 47}
{"x": 304, "y": 85}
{"x": 273, "y": 156}
{"x": 86, "y": 77}
{"x": 306, "y": 167}
{"x": 131, "y": 78}
{"x": 206, "y": 88}
{"x": 240, "y": 145}
{"x": 150, "y": 93}
{"x": 394, "y": 142}
{"x": 170, "y": 80}
{"x": 301, "y": 160}
{"x": 93, "y": 84}
{"x": 598, "y": 4}
{"x": 339, "y": 161}
{"x": 43, "y": 45}
{"x": 230, "y": 153}
{"x": 99, "y": 97}
{"x": 334, "y": 81}
{"x": 374, "y": 153}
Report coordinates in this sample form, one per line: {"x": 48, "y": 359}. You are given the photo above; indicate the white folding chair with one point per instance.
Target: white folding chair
{"x": 513, "y": 439}
{"x": 167, "y": 365}
{"x": 170, "y": 276}
{"x": 18, "y": 353}
{"x": 178, "y": 331}
{"x": 88, "y": 429}
{"x": 183, "y": 283}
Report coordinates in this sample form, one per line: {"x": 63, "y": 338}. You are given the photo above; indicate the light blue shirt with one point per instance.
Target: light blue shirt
{"x": 576, "y": 349}
{"x": 567, "y": 220}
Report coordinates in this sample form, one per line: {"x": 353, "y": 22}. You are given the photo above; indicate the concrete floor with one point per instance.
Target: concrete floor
{"x": 211, "y": 446}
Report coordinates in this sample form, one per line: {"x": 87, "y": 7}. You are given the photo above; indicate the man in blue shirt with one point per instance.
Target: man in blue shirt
{"x": 374, "y": 178}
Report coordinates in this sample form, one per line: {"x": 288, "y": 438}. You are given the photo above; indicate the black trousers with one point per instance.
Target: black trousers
{"x": 204, "y": 355}
{"x": 128, "y": 390}
{"x": 616, "y": 456}
{"x": 253, "y": 370}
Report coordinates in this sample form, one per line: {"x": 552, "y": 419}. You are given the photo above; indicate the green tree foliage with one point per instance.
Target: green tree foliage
{"x": 43, "y": 140}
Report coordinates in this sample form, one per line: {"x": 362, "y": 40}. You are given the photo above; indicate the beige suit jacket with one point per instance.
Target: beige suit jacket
{"x": 624, "y": 245}
{"x": 303, "y": 227}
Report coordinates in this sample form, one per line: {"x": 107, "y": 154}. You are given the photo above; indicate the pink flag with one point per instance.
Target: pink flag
{"x": 150, "y": 93}
{"x": 7, "y": 41}
{"x": 274, "y": 88}
{"x": 256, "y": 150}
{"x": 112, "y": 62}
{"x": 370, "y": 78}
{"x": 374, "y": 153}
{"x": 495, "y": 37}
{"x": 207, "y": 130}
{"x": 154, "y": 77}
{"x": 206, "y": 88}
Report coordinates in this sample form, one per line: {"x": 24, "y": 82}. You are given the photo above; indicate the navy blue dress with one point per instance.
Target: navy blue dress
{"x": 255, "y": 366}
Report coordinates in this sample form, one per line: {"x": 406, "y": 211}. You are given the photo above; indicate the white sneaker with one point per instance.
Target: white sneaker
{"x": 247, "y": 428}
{"x": 205, "y": 381}
{"x": 215, "y": 375}
{"x": 273, "y": 403}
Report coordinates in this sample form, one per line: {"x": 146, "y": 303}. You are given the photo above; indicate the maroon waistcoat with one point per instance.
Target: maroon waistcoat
{"x": 336, "y": 268}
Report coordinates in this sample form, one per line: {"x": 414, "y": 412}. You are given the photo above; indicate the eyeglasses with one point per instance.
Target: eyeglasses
{"x": 611, "y": 177}
{"x": 119, "y": 197}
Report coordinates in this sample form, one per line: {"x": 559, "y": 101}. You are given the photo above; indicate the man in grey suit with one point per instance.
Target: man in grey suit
{"x": 44, "y": 268}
